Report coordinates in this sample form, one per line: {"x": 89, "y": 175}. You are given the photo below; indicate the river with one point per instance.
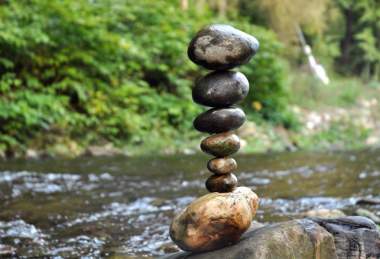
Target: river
{"x": 121, "y": 207}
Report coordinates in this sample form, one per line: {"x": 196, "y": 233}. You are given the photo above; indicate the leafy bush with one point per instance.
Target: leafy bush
{"x": 112, "y": 70}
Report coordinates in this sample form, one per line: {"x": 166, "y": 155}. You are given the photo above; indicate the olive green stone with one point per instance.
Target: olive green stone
{"x": 222, "y": 165}
{"x": 221, "y": 183}
{"x": 221, "y": 145}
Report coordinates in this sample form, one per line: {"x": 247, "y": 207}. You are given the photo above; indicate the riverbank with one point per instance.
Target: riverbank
{"x": 341, "y": 116}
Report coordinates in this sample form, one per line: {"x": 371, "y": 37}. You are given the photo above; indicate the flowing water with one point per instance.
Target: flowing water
{"x": 121, "y": 207}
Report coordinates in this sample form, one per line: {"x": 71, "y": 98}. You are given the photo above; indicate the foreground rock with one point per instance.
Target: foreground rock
{"x": 342, "y": 238}
{"x": 214, "y": 220}
{"x": 221, "y": 47}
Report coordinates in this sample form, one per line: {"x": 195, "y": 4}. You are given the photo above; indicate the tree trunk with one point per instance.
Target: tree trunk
{"x": 348, "y": 39}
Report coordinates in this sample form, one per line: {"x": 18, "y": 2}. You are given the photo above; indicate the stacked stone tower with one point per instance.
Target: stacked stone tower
{"x": 219, "y": 218}
{"x": 221, "y": 48}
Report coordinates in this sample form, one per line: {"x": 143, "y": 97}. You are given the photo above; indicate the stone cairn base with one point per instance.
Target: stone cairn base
{"x": 220, "y": 218}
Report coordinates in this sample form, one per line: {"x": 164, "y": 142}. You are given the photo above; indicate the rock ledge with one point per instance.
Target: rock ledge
{"x": 341, "y": 238}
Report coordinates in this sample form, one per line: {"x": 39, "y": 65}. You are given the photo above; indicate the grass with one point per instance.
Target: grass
{"x": 343, "y": 92}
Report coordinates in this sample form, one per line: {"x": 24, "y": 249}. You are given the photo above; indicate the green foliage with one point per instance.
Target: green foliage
{"x": 361, "y": 43}
{"x": 339, "y": 134}
{"x": 266, "y": 74}
{"x": 113, "y": 70}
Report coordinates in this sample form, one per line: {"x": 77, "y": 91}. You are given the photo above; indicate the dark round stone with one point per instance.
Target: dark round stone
{"x": 219, "y": 120}
{"x": 221, "y": 183}
{"x": 221, "y": 47}
{"x": 222, "y": 165}
{"x": 221, "y": 89}
{"x": 221, "y": 145}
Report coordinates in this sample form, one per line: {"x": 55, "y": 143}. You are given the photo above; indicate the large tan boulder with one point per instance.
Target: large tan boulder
{"x": 214, "y": 220}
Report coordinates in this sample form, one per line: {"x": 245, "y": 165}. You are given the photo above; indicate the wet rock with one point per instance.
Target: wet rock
{"x": 221, "y": 89}
{"x": 345, "y": 238}
{"x": 220, "y": 47}
{"x": 214, "y": 220}
{"x": 222, "y": 165}
{"x": 221, "y": 145}
{"x": 169, "y": 248}
{"x": 325, "y": 213}
{"x": 368, "y": 201}
{"x": 221, "y": 183}
{"x": 368, "y": 214}
{"x": 6, "y": 250}
{"x": 219, "y": 120}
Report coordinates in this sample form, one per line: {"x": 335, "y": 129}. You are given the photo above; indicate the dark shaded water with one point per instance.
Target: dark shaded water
{"x": 121, "y": 207}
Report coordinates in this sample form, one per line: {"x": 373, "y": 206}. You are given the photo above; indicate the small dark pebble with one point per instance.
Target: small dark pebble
{"x": 221, "y": 183}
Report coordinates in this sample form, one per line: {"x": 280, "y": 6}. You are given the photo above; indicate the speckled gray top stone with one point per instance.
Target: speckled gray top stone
{"x": 221, "y": 47}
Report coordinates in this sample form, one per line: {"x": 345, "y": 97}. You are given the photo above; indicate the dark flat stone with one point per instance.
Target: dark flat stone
{"x": 221, "y": 47}
{"x": 221, "y": 89}
{"x": 219, "y": 120}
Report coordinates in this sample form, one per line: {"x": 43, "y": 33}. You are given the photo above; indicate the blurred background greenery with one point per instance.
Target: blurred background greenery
{"x": 81, "y": 73}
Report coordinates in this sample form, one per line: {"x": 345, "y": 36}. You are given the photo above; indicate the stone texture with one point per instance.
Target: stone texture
{"x": 221, "y": 145}
{"x": 222, "y": 165}
{"x": 221, "y": 183}
{"x": 368, "y": 214}
{"x": 324, "y": 213}
{"x": 221, "y": 47}
{"x": 214, "y": 220}
{"x": 221, "y": 89}
{"x": 219, "y": 120}
{"x": 312, "y": 238}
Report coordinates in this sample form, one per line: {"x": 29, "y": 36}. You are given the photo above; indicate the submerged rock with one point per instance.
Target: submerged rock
{"x": 341, "y": 238}
{"x": 221, "y": 145}
{"x": 7, "y": 251}
{"x": 368, "y": 201}
{"x": 214, "y": 220}
{"x": 220, "y": 47}
{"x": 219, "y": 120}
{"x": 221, "y": 89}
{"x": 368, "y": 214}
